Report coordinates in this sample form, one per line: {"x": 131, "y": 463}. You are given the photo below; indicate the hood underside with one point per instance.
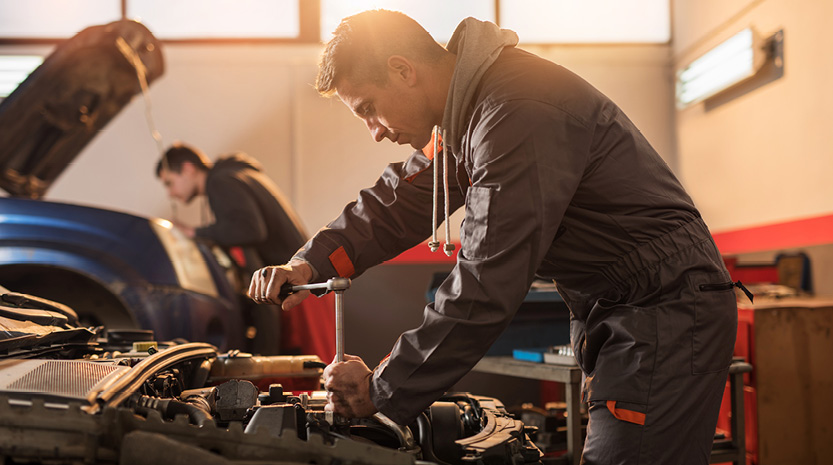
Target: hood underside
{"x": 67, "y": 100}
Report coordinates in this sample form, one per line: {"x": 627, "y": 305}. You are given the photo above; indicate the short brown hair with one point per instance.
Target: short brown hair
{"x": 179, "y": 153}
{"x": 362, "y": 44}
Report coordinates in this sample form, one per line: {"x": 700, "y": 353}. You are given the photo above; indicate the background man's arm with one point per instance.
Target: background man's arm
{"x": 237, "y": 218}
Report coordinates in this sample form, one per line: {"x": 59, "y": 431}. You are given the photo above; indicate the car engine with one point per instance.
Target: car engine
{"x": 78, "y": 395}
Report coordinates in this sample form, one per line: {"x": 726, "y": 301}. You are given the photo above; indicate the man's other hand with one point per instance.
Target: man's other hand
{"x": 188, "y": 231}
{"x": 348, "y": 388}
{"x": 266, "y": 283}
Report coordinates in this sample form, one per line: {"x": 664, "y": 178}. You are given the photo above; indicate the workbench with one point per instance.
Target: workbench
{"x": 570, "y": 376}
{"x": 732, "y": 450}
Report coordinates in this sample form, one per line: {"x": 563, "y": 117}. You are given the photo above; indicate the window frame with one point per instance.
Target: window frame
{"x": 309, "y": 13}
{"x": 309, "y": 17}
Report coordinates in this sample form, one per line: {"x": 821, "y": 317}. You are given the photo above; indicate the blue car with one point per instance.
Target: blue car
{"x": 116, "y": 270}
{"x": 120, "y": 271}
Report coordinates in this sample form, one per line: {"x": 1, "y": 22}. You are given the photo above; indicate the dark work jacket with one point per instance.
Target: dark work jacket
{"x": 250, "y": 211}
{"x": 558, "y": 183}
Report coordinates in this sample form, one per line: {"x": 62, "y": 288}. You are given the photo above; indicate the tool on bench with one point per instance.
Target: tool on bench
{"x": 337, "y": 285}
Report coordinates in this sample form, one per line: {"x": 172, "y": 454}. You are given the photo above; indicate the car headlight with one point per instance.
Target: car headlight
{"x": 188, "y": 261}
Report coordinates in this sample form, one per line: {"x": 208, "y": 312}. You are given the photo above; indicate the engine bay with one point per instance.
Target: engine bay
{"x": 125, "y": 398}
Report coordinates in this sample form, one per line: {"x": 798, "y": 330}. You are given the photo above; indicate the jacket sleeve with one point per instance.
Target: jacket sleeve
{"x": 385, "y": 220}
{"x": 525, "y": 163}
{"x": 238, "y": 220}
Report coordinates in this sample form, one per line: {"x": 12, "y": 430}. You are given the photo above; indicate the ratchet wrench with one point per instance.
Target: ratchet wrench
{"x": 337, "y": 285}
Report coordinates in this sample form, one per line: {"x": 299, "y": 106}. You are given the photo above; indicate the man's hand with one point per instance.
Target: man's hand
{"x": 189, "y": 231}
{"x": 348, "y": 388}
{"x": 266, "y": 283}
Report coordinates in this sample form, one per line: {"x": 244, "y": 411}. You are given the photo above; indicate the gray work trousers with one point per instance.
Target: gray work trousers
{"x": 655, "y": 341}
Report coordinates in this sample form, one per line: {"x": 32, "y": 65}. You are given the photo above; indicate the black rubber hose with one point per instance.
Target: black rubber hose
{"x": 426, "y": 442}
{"x": 197, "y": 413}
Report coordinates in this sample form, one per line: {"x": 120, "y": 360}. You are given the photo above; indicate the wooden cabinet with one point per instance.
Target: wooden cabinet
{"x": 790, "y": 391}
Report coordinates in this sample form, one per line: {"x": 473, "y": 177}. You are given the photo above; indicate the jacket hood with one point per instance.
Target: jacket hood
{"x": 237, "y": 161}
{"x": 68, "y": 99}
{"x": 477, "y": 45}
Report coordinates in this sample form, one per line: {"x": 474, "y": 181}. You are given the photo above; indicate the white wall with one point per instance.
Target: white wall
{"x": 259, "y": 99}
{"x": 765, "y": 156}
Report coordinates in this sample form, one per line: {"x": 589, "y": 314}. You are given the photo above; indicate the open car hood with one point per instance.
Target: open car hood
{"x": 67, "y": 100}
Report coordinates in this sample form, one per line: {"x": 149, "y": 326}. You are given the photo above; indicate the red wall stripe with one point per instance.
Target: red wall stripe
{"x": 789, "y": 234}
{"x": 785, "y": 235}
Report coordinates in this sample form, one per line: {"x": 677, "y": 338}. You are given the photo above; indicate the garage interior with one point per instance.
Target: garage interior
{"x": 755, "y": 157}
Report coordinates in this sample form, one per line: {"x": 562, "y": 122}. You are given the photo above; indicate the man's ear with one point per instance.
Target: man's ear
{"x": 402, "y": 69}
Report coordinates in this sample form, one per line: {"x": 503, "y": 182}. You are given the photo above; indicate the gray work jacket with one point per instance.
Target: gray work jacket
{"x": 556, "y": 181}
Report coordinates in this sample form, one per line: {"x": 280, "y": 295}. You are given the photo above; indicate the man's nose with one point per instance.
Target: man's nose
{"x": 377, "y": 131}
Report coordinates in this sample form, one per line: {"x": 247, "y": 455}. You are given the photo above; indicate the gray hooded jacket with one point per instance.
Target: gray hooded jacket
{"x": 250, "y": 211}
{"x": 556, "y": 182}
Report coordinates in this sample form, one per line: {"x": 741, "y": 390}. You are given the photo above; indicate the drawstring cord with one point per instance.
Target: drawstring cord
{"x": 448, "y": 247}
{"x": 435, "y": 244}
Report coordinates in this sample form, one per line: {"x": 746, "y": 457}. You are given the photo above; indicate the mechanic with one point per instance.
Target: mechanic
{"x": 558, "y": 183}
{"x": 252, "y": 221}
{"x": 249, "y": 209}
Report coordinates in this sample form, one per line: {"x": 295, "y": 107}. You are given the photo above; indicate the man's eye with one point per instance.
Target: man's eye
{"x": 365, "y": 110}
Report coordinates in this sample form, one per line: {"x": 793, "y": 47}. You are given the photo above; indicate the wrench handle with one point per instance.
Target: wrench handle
{"x": 339, "y": 304}
{"x": 286, "y": 289}
{"x": 332, "y": 284}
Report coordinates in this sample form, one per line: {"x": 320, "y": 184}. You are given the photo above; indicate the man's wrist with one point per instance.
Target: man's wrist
{"x": 370, "y": 407}
{"x": 305, "y": 270}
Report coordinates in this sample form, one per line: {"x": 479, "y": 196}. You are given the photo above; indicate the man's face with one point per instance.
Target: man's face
{"x": 181, "y": 186}
{"x": 394, "y": 111}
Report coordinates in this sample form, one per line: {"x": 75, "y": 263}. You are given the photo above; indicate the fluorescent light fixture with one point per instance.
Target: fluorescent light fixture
{"x": 14, "y": 69}
{"x": 730, "y": 63}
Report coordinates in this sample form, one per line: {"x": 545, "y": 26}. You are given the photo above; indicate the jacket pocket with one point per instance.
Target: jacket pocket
{"x": 474, "y": 235}
{"x": 715, "y": 322}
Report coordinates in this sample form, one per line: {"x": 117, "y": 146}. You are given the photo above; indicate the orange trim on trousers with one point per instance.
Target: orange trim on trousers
{"x": 626, "y": 415}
